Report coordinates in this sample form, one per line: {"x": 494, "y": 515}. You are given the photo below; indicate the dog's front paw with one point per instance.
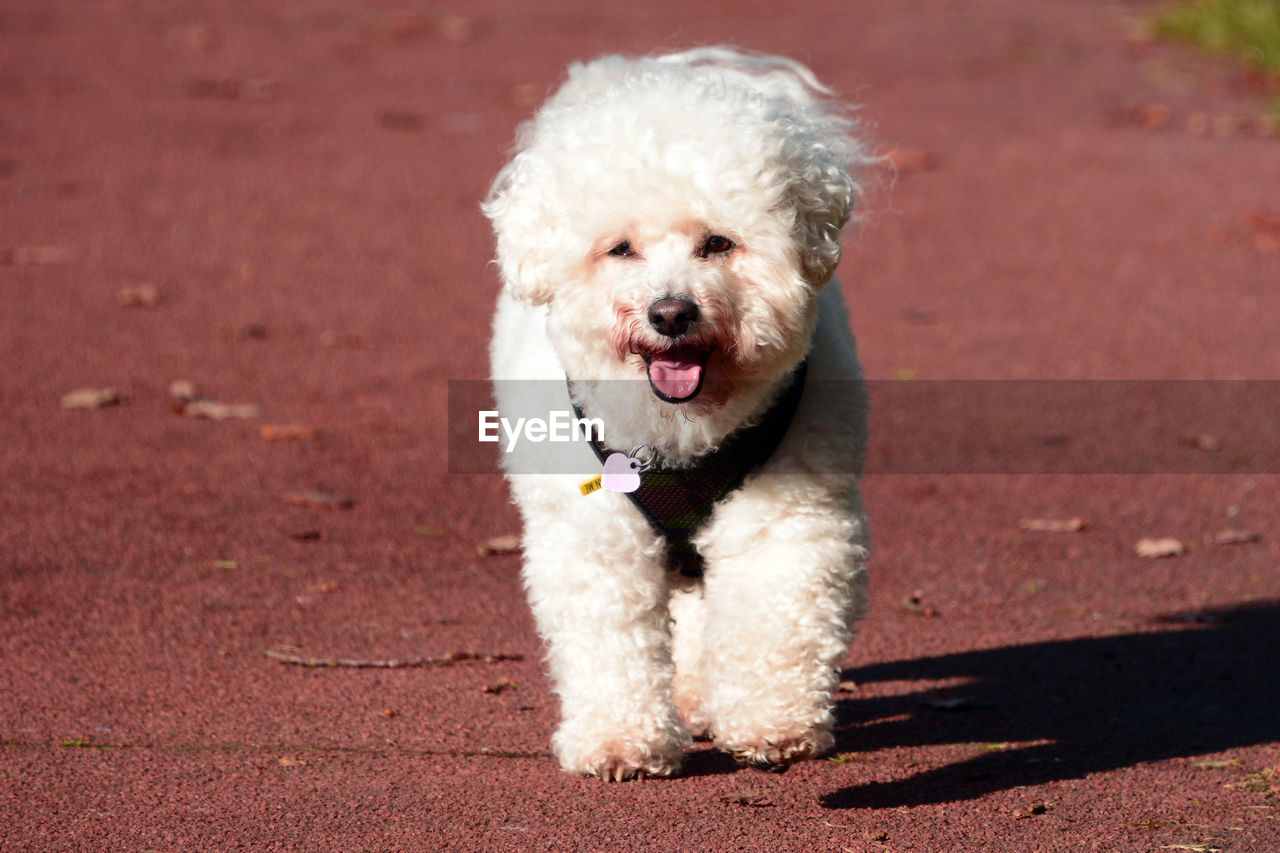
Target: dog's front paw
{"x": 689, "y": 705}
{"x": 778, "y": 750}
{"x": 621, "y": 760}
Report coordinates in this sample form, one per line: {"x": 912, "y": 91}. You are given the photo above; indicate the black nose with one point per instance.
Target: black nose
{"x": 672, "y": 316}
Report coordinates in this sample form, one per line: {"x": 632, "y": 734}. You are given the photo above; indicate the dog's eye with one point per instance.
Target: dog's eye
{"x": 623, "y": 250}
{"x": 716, "y": 245}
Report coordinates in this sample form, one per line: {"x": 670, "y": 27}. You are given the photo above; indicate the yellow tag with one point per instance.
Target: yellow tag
{"x": 592, "y": 485}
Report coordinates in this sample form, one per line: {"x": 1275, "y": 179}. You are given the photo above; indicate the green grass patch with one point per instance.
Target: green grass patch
{"x": 85, "y": 743}
{"x": 1247, "y": 29}
{"x": 1265, "y": 782}
{"x": 1210, "y": 765}
{"x": 993, "y": 747}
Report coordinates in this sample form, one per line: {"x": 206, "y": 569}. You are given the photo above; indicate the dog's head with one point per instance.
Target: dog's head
{"x": 678, "y": 215}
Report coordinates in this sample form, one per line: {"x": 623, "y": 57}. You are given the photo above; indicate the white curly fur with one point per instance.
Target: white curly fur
{"x": 659, "y": 153}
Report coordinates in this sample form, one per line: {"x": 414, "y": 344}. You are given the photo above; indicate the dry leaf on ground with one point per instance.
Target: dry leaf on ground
{"x": 1153, "y": 548}
{"x": 287, "y": 432}
{"x": 500, "y": 687}
{"x": 215, "y": 411}
{"x": 90, "y": 398}
{"x": 1203, "y": 441}
{"x": 186, "y": 400}
{"x": 317, "y": 499}
{"x": 1234, "y": 537}
{"x": 244, "y": 332}
{"x": 1256, "y": 229}
{"x": 292, "y": 655}
{"x": 1031, "y": 811}
{"x": 183, "y": 391}
{"x": 1055, "y": 525}
{"x": 509, "y": 544}
{"x": 230, "y": 87}
{"x": 138, "y": 296}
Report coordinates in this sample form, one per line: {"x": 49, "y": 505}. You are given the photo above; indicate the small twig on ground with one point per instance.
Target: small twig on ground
{"x": 389, "y": 663}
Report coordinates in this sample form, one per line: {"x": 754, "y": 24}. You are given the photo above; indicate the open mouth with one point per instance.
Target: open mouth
{"x": 675, "y": 375}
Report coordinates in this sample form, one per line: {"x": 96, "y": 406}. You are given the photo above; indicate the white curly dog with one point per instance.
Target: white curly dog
{"x": 666, "y": 234}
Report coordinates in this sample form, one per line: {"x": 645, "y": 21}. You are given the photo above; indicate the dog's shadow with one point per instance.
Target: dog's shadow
{"x": 1197, "y": 683}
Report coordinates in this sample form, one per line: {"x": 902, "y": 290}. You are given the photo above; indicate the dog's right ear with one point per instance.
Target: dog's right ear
{"x": 526, "y": 232}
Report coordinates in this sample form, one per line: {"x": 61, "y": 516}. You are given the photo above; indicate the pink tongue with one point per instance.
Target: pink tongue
{"x": 675, "y": 374}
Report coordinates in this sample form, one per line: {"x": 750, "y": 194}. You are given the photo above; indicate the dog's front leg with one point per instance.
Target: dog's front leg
{"x": 783, "y": 584}
{"x": 600, "y": 605}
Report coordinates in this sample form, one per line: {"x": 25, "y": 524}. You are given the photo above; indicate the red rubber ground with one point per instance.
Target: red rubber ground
{"x": 299, "y": 183}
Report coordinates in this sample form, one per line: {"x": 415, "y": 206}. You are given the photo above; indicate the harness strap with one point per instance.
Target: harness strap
{"x": 677, "y": 501}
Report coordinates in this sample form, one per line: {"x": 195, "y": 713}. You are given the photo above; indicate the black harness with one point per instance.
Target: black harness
{"x": 677, "y": 501}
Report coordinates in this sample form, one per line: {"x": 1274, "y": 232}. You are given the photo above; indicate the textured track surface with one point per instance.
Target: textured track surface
{"x": 299, "y": 182}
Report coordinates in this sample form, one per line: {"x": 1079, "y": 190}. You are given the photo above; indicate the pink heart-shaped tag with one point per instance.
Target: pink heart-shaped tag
{"x": 621, "y": 473}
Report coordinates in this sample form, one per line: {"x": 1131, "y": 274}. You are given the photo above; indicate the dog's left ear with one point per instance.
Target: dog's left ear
{"x": 823, "y": 196}
{"x": 526, "y": 232}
